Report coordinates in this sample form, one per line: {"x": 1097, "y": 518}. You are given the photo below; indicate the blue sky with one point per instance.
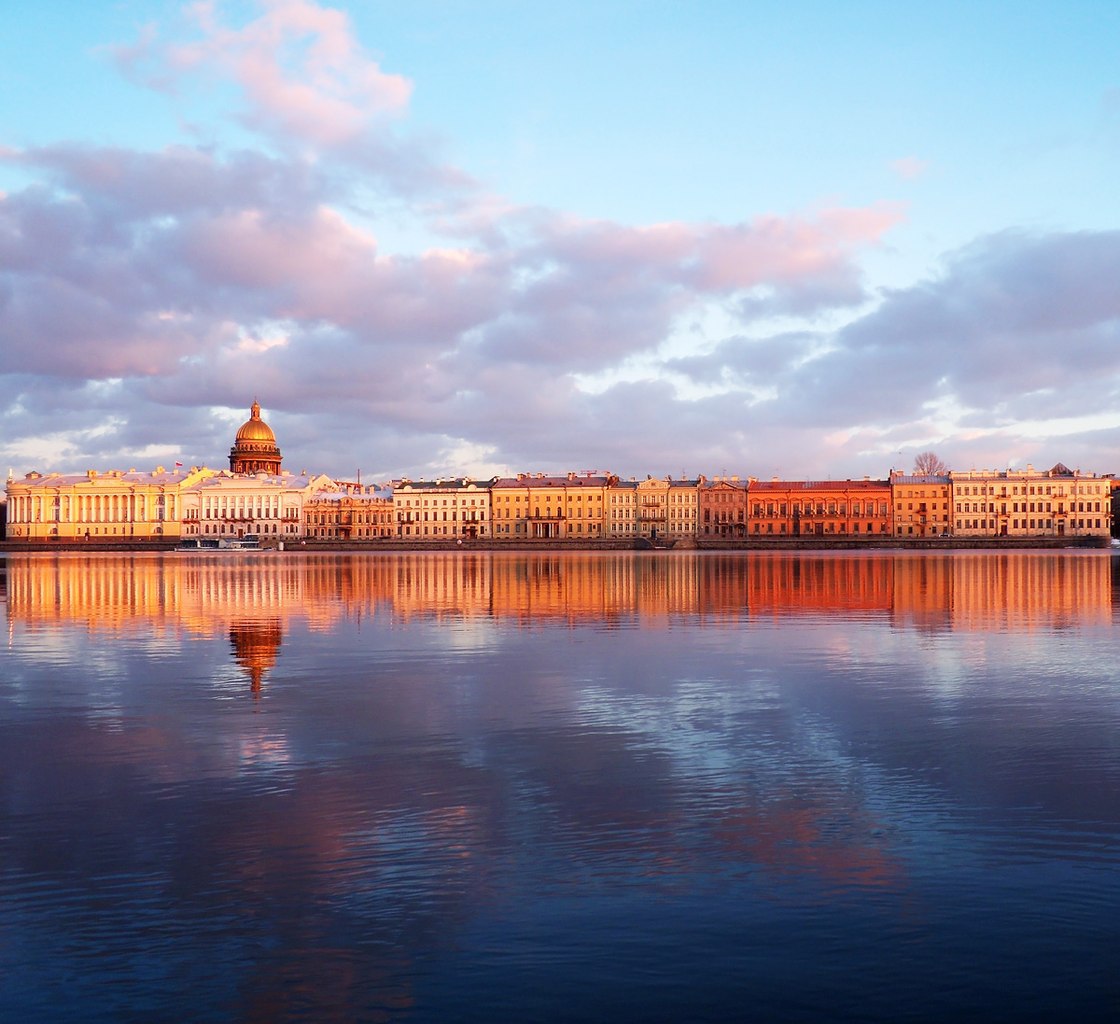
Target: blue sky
{"x": 807, "y": 239}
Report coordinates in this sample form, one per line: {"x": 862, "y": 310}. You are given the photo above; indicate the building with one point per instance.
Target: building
{"x": 539, "y": 507}
{"x": 235, "y": 505}
{"x": 254, "y": 448}
{"x": 620, "y": 509}
{"x": 442, "y": 510}
{"x": 253, "y": 497}
{"x": 351, "y": 513}
{"x": 722, "y": 507}
{"x": 683, "y": 508}
{"x": 667, "y": 509}
{"x": 923, "y": 505}
{"x": 820, "y": 508}
{"x": 1057, "y": 502}
{"x": 114, "y": 506}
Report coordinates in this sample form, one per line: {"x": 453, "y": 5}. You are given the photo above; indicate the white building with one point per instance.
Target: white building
{"x": 442, "y": 510}
{"x": 232, "y": 505}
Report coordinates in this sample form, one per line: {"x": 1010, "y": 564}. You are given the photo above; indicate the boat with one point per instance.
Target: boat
{"x": 250, "y": 542}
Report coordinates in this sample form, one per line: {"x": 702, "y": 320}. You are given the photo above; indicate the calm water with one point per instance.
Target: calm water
{"x": 457, "y": 788}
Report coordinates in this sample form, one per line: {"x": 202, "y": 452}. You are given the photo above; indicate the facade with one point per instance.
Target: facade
{"x": 442, "y": 510}
{"x": 653, "y": 508}
{"x": 923, "y": 505}
{"x": 539, "y": 507}
{"x": 115, "y": 505}
{"x": 722, "y": 507}
{"x": 352, "y": 513}
{"x": 683, "y": 508}
{"x": 1057, "y": 502}
{"x": 234, "y": 505}
{"x": 254, "y": 449}
{"x": 620, "y": 509}
{"x": 820, "y": 508}
{"x": 666, "y": 509}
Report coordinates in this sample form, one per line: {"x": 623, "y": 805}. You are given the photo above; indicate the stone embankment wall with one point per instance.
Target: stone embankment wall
{"x": 745, "y": 544}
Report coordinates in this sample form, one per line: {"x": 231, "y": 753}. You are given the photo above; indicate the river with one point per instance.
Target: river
{"x": 579, "y": 787}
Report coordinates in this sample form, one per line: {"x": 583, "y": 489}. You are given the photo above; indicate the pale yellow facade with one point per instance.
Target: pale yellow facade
{"x": 683, "y": 508}
{"x": 621, "y": 509}
{"x": 1029, "y": 503}
{"x": 442, "y": 510}
{"x": 665, "y": 509}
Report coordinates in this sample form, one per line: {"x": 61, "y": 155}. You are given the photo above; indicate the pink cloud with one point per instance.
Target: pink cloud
{"x": 774, "y": 249}
{"x": 303, "y": 74}
{"x": 909, "y": 167}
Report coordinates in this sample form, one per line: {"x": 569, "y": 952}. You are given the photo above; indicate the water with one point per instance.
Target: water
{"x": 579, "y": 787}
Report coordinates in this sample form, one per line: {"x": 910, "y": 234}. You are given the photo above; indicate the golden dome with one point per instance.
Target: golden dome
{"x": 254, "y": 428}
{"x": 255, "y": 449}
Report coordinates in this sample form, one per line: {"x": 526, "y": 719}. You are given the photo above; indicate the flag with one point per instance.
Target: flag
{"x": 178, "y": 465}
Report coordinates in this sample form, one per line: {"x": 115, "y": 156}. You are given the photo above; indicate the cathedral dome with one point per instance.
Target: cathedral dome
{"x": 254, "y": 428}
{"x": 254, "y": 449}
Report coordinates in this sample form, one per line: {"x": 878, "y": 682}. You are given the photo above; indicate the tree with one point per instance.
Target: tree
{"x": 929, "y": 464}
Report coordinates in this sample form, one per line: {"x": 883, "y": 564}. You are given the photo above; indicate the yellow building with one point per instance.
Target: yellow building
{"x": 620, "y": 509}
{"x": 1057, "y": 502}
{"x": 923, "y": 505}
{"x": 442, "y": 510}
{"x": 666, "y": 509}
{"x": 539, "y": 507}
{"x": 113, "y": 506}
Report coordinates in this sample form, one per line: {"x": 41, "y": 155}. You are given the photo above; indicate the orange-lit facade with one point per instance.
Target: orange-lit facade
{"x": 721, "y": 508}
{"x": 1058, "y": 502}
{"x": 923, "y": 505}
{"x": 856, "y": 509}
{"x": 539, "y": 507}
{"x": 354, "y": 513}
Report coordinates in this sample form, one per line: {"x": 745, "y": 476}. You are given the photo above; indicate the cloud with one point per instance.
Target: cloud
{"x": 909, "y": 167}
{"x": 175, "y": 282}
{"x": 300, "y": 70}
{"x": 305, "y": 85}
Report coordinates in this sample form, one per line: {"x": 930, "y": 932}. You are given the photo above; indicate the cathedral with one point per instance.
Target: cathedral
{"x": 254, "y": 449}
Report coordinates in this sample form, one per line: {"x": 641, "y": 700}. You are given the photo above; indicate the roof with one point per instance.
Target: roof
{"x": 530, "y": 480}
{"x": 124, "y": 478}
{"x": 450, "y": 484}
{"x": 820, "y": 485}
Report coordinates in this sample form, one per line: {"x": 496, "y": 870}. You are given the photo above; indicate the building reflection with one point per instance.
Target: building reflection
{"x": 256, "y": 645}
{"x": 253, "y": 598}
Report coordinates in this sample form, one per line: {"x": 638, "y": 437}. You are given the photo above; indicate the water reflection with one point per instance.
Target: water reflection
{"x": 540, "y": 787}
{"x": 958, "y": 591}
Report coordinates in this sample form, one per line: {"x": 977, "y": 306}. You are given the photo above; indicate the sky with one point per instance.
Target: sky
{"x": 797, "y": 239}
